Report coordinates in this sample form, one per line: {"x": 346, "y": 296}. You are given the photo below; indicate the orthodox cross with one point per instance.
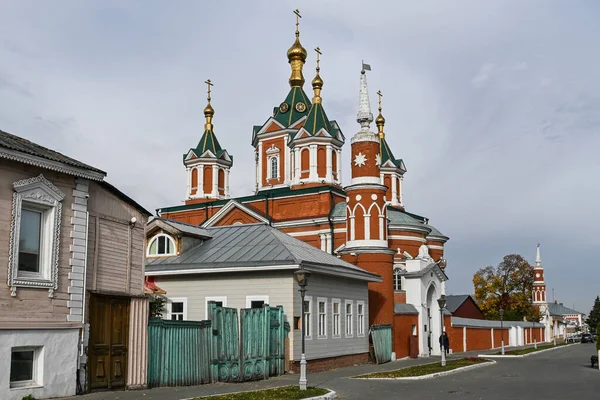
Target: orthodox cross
{"x": 380, "y": 96}
{"x": 209, "y": 83}
{"x": 297, "y": 12}
{"x": 318, "y": 50}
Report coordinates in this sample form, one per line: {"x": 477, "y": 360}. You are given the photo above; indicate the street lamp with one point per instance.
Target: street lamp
{"x": 302, "y": 277}
{"x": 442, "y": 304}
{"x": 502, "y": 329}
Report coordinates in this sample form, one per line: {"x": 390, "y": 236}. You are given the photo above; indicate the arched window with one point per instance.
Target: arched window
{"x": 161, "y": 245}
{"x": 397, "y": 279}
{"x": 274, "y": 163}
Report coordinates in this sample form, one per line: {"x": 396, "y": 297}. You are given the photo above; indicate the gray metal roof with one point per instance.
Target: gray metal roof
{"x": 12, "y": 142}
{"x": 423, "y": 272}
{"x": 436, "y": 233}
{"x": 185, "y": 228}
{"x": 397, "y": 217}
{"x": 254, "y": 246}
{"x": 401, "y": 308}
{"x": 483, "y": 323}
{"x": 339, "y": 210}
{"x": 454, "y": 301}
{"x": 560, "y": 309}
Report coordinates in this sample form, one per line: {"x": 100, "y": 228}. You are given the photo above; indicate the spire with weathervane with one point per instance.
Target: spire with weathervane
{"x": 392, "y": 169}
{"x": 539, "y": 285}
{"x": 207, "y": 164}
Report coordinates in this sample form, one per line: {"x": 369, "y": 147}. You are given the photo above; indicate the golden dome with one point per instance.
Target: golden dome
{"x": 317, "y": 83}
{"x": 208, "y": 111}
{"x": 297, "y": 52}
{"x": 380, "y": 120}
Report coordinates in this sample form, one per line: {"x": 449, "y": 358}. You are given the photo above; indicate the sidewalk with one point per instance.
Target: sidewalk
{"x": 320, "y": 379}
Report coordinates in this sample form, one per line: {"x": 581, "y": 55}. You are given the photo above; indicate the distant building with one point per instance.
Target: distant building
{"x": 564, "y": 321}
{"x": 464, "y": 306}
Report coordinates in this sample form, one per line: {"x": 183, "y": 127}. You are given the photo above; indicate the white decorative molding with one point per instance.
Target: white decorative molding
{"x": 273, "y": 150}
{"x": 40, "y": 192}
{"x": 360, "y": 159}
{"x": 77, "y": 259}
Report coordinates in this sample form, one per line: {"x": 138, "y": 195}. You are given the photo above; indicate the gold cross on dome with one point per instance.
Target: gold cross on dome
{"x": 318, "y": 50}
{"x": 209, "y": 83}
{"x": 380, "y": 96}
{"x": 298, "y": 16}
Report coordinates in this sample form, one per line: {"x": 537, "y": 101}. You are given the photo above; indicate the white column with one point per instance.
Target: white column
{"x": 329, "y": 173}
{"x": 367, "y": 226}
{"x": 215, "y": 181}
{"x": 200, "y": 173}
{"x": 287, "y": 161}
{"x": 464, "y": 338}
{"x": 323, "y": 242}
{"x": 329, "y": 242}
{"x": 400, "y": 191}
{"x": 227, "y": 183}
{"x": 312, "y": 176}
{"x": 259, "y": 178}
{"x": 493, "y": 338}
{"x": 394, "y": 190}
{"x": 352, "y": 228}
{"x": 297, "y": 164}
{"x": 338, "y": 154}
{"x": 188, "y": 192}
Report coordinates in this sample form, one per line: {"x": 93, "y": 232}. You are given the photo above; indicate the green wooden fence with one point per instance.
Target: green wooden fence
{"x": 179, "y": 352}
{"x": 382, "y": 343}
{"x": 182, "y": 353}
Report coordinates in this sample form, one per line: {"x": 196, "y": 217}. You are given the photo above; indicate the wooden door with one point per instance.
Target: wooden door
{"x": 109, "y": 336}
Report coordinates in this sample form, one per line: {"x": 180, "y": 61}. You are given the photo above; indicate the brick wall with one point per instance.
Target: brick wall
{"x": 326, "y": 364}
{"x": 402, "y": 333}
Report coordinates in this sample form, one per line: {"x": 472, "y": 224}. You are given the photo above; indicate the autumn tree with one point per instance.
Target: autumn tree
{"x": 509, "y": 285}
{"x": 594, "y": 317}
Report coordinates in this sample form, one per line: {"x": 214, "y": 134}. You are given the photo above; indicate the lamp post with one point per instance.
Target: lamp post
{"x": 502, "y": 329}
{"x": 302, "y": 278}
{"x": 442, "y": 304}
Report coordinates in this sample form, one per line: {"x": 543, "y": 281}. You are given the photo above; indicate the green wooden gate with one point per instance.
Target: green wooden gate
{"x": 279, "y": 330}
{"x": 225, "y": 343}
{"x": 382, "y": 343}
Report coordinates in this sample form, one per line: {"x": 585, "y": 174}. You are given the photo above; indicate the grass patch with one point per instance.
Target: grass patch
{"x": 520, "y": 352}
{"x": 285, "y": 392}
{"x": 426, "y": 369}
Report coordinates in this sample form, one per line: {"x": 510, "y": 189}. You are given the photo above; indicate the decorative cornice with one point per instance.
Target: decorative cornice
{"x": 51, "y": 165}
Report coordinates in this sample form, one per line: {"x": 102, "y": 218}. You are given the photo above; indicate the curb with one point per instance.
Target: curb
{"x": 524, "y": 355}
{"x": 435, "y": 375}
{"x": 327, "y": 396}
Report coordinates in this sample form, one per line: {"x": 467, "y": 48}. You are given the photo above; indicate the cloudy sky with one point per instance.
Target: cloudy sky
{"x": 493, "y": 105}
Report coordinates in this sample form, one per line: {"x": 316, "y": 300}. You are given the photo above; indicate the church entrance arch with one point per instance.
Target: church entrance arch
{"x": 432, "y": 321}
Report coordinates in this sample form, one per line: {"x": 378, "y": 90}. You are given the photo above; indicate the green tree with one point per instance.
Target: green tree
{"x": 594, "y": 317}
{"x": 157, "y": 305}
{"x": 509, "y": 285}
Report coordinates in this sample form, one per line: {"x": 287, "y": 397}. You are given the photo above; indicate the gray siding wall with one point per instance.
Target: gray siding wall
{"x": 329, "y": 288}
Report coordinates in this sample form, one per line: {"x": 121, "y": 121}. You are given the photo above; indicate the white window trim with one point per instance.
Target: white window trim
{"x": 339, "y": 324}
{"x": 397, "y": 273}
{"x": 319, "y": 300}
{"x": 351, "y": 334}
{"x": 358, "y": 325}
{"x": 38, "y": 368}
{"x": 222, "y": 299}
{"x": 250, "y": 299}
{"x": 155, "y": 237}
{"x": 310, "y": 317}
{"x": 38, "y": 193}
{"x": 270, "y": 169}
{"x": 171, "y": 300}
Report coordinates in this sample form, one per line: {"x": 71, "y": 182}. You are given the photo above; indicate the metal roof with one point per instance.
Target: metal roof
{"x": 560, "y": 309}
{"x": 254, "y": 246}
{"x": 12, "y": 142}
{"x": 185, "y": 228}
{"x": 455, "y": 301}
{"x": 483, "y": 323}
{"x": 401, "y": 308}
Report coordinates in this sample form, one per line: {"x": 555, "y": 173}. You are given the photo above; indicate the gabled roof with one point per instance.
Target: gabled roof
{"x": 386, "y": 155}
{"x": 182, "y": 227}
{"x": 232, "y": 204}
{"x": 560, "y": 309}
{"x": 405, "y": 309}
{"x": 18, "y": 144}
{"x": 253, "y": 247}
{"x": 453, "y": 302}
{"x": 291, "y": 114}
{"x": 432, "y": 267}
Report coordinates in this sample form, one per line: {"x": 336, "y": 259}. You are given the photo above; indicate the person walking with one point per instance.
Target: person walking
{"x": 445, "y": 341}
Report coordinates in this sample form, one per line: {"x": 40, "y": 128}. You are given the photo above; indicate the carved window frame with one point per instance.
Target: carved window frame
{"x": 40, "y": 194}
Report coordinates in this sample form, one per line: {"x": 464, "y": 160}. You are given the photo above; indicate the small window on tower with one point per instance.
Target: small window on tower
{"x": 274, "y": 168}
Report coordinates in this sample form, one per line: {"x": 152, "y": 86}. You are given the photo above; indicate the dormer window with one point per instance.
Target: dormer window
{"x": 162, "y": 245}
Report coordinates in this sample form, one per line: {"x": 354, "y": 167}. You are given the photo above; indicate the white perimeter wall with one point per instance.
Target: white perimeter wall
{"x": 58, "y": 362}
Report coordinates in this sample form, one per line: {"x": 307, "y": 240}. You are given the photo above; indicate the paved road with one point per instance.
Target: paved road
{"x": 561, "y": 374}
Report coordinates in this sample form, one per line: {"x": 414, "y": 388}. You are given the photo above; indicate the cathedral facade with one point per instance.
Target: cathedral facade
{"x": 298, "y": 189}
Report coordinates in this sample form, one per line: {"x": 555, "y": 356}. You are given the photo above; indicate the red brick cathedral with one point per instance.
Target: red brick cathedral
{"x": 299, "y": 190}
